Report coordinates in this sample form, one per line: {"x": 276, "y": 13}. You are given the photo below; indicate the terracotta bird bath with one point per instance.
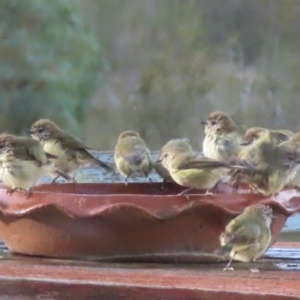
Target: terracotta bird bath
{"x": 137, "y": 222}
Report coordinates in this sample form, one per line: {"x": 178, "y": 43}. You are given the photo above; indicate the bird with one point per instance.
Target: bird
{"x": 191, "y": 170}
{"x": 222, "y": 137}
{"x": 253, "y": 133}
{"x": 294, "y": 141}
{"x": 132, "y": 155}
{"x": 71, "y": 153}
{"x": 248, "y": 236}
{"x": 23, "y": 162}
{"x": 182, "y": 143}
{"x": 271, "y": 165}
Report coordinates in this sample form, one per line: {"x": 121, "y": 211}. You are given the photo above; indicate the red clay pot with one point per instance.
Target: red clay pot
{"x": 137, "y": 222}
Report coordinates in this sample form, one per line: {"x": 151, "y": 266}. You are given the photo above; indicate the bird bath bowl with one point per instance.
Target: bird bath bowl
{"x": 137, "y": 222}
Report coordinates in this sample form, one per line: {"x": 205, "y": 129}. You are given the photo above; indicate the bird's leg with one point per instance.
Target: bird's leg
{"x": 126, "y": 178}
{"x": 147, "y": 176}
{"x": 54, "y": 179}
{"x": 228, "y": 265}
{"x": 162, "y": 184}
{"x": 73, "y": 179}
{"x": 208, "y": 193}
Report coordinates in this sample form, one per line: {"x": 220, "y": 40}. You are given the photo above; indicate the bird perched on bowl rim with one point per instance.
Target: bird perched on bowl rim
{"x": 222, "y": 137}
{"x": 71, "y": 153}
{"x": 191, "y": 170}
{"x": 23, "y": 162}
{"x": 253, "y": 133}
{"x": 272, "y": 165}
{"x": 182, "y": 143}
{"x": 294, "y": 141}
{"x": 248, "y": 236}
{"x": 132, "y": 155}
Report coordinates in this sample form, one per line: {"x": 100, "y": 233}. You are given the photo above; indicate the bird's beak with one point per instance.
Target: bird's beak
{"x": 203, "y": 122}
{"x": 29, "y": 132}
{"x": 159, "y": 160}
{"x": 245, "y": 143}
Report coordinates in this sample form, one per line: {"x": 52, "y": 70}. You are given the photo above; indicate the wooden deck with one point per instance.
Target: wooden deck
{"x": 23, "y": 277}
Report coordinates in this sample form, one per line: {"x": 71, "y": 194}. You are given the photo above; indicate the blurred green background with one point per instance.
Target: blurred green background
{"x": 98, "y": 67}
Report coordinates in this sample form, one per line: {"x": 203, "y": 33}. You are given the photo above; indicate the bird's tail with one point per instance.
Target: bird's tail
{"x": 224, "y": 250}
{"x": 100, "y": 163}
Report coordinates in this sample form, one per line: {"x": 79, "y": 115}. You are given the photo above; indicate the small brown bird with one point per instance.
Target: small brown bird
{"x": 294, "y": 141}
{"x": 191, "y": 170}
{"x": 23, "y": 162}
{"x": 271, "y": 165}
{"x": 132, "y": 155}
{"x": 71, "y": 153}
{"x": 248, "y": 236}
{"x": 182, "y": 143}
{"x": 222, "y": 137}
{"x": 253, "y": 134}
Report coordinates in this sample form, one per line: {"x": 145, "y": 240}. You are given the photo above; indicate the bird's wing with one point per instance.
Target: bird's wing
{"x": 242, "y": 233}
{"x": 21, "y": 152}
{"x": 202, "y": 163}
{"x": 135, "y": 155}
{"x": 69, "y": 141}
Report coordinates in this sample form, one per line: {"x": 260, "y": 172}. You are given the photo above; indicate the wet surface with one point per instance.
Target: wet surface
{"x": 23, "y": 277}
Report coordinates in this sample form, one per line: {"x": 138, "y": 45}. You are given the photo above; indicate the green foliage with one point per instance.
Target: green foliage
{"x": 174, "y": 61}
{"x": 50, "y": 63}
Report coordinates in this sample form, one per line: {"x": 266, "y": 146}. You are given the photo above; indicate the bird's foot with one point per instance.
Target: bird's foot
{"x": 254, "y": 270}
{"x": 150, "y": 179}
{"x": 228, "y": 269}
{"x": 53, "y": 181}
{"x": 9, "y": 191}
{"x": 27, "y": 194}
{"x": 209, "y": 193}
{"x": 184, "y": 193}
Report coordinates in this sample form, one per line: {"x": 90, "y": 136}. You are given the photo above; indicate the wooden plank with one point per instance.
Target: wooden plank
{"x": 24, "y": 277}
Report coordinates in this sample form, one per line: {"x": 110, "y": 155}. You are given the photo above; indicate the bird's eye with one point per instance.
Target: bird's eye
{"x": 213, "y": 122}
{"x": 165, "y": 155}
{"x": 40, "y": 130}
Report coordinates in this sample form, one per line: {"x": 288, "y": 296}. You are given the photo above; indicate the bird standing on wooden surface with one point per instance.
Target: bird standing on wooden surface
{"x": 132, "y": 155}
{"x": 222, "y": 137}
{"x": 248, "y": 236}
{"x": 71, "y": 153}
{"x": 23, "y": 162}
